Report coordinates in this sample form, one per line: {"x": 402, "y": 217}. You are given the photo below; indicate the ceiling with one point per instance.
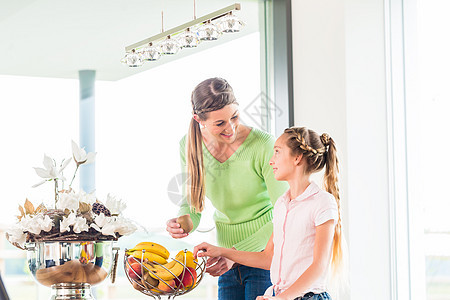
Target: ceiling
{"x": 57, "y": 38}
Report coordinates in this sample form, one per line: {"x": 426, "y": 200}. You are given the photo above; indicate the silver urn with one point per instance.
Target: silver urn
{"x": 70, "y": 268}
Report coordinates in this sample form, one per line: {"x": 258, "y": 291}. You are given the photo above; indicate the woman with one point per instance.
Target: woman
{"x": 229, "y": 163}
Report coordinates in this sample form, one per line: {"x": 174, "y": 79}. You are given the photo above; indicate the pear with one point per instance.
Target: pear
{"x": 149, "y": 280}
{"x": 186, "y": 223}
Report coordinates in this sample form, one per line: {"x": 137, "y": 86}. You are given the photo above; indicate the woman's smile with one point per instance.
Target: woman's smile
{"x": 228, "y": 136}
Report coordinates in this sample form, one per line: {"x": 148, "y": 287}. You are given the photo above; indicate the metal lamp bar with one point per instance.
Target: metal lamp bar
{"x": 205, "y": 18}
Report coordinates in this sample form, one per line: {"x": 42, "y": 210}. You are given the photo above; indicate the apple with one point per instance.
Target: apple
{"x": 134, "y": 271}
{"x": 131, "y": 259}
{"x": 167, "y": 286}
{"x": 188, "y": 280}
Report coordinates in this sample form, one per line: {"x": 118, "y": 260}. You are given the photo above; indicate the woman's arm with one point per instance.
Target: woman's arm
{"x": 260, "y": 260}
{"x": 322, "y": 255}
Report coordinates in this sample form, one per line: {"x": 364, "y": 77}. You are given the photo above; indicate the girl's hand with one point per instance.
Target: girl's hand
{"x": 208, "y": 250}
{"x": 268, "y": 297}
{"x": 217, "y": 266}
{"x": 174, "y": 229}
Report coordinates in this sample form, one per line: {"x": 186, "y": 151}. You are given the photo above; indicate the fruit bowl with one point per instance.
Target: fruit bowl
{"x": 153, "y": 276}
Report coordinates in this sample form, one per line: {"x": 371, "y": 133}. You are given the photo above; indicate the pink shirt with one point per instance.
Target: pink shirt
{"x": 294, "y": 229}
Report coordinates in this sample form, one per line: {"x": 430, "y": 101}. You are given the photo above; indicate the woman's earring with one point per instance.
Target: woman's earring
{"x": 202, "y": 125}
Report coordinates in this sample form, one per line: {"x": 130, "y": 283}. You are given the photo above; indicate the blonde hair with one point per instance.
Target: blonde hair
{"x": 209, "y": 95}
{"x": 320, "y": 151}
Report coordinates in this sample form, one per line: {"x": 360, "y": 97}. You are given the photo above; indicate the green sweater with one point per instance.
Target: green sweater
{"x": 243, "y": 190}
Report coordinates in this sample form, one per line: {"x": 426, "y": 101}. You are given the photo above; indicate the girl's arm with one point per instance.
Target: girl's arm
{"x": 322, "y": 255}
{"x": 260, "y": 260}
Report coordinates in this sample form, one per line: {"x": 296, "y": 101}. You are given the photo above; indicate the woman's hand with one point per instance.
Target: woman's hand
{"x": 174, "y": 229}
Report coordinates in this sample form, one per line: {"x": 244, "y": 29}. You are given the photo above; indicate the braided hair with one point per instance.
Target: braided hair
{"x": 319, "y": 151}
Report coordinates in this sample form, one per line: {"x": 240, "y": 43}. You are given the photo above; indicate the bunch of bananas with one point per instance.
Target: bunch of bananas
{"x": 153, "y": 252}
{"x": 148, "y": 267}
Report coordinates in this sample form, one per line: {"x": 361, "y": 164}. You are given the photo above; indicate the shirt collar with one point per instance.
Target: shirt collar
{"x": 311, "y": 190}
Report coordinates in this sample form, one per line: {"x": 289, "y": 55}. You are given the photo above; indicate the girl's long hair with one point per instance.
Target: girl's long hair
{"x": 319, "y": 152}
{"x": 209, "y": 95}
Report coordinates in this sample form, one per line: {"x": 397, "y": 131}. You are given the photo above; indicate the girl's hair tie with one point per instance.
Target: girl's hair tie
{"x": 325, "y": 138}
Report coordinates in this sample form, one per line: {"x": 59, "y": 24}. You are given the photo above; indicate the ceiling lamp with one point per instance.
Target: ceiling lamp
{"x": 208, "y": 32}
{"x": 188, "y": 39}
{"x": 150, "y": 52}
{"x": 133, "y": 59}
{"x": 187, "y": 35}
{"x": 169, "y": 46}
{"x": 230, "y": 23}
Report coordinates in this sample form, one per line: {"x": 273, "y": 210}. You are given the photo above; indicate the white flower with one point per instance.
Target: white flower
{"x": 80, "y": 156}
{"x": 124, "y": 226}
{"x": 101, "y": 220}
{"x": 115, "y": 206}
{"x": 50, "y": 170}
{"x": 36, "y": 224}
{"x": 113, "y": 225}
{"x": 45, "y": 223}
{"x": 80, "y": 225}
{"x": 93, "y": 225}
{"x": 67, "y": 222}
{"x": 16, "y": 235}
{"x": 68, "y": 201}
{"x": 86, "y": 198}
{"x": 103, "y": 224}
{"x": 109, "y": 229}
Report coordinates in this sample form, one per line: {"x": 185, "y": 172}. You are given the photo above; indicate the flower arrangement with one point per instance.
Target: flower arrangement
{"x": 75, "y": 215}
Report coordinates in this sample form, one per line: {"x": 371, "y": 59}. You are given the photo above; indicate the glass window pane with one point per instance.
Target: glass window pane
{"x": 140, "y": 121}
{"x": 428, "y": 129}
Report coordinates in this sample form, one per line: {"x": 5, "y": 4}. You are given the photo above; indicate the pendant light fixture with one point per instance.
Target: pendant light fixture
{"x": 188, "y": 35}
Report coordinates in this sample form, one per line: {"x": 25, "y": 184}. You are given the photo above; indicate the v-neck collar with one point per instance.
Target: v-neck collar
{"x": 205, "y": 149}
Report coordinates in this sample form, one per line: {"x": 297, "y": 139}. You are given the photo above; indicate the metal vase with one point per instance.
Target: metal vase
{"x": 70, "y": 268}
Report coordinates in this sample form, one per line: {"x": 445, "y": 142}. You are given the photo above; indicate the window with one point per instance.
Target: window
{"x": 140, "y": 122}
{"x": 428, "y": 132}
{"x": 420, "y": 112}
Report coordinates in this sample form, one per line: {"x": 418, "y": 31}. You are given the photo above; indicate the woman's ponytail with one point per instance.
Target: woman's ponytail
{"x": 195, "y": 168}
{"x": 209, "y": 95}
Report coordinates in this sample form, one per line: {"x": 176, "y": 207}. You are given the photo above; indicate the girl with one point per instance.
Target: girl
{"x": 307, "y": 222}
{"x": 228, "y": 163}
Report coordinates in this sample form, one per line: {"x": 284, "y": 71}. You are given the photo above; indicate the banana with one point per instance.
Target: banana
{"x": 188, "y": 260}
{"x": 174, "y": 268}
{"x": 151, "y": 247}
{"x": 152, "y": 257}
{"x": 168, "y": 271}
{"x": 172, "y": 271}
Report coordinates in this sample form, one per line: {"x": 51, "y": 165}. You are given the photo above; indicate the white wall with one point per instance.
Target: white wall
{"x": 339, "y": 88}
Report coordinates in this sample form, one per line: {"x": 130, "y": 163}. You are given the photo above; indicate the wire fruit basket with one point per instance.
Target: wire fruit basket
{"x": 155, "y": 279}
